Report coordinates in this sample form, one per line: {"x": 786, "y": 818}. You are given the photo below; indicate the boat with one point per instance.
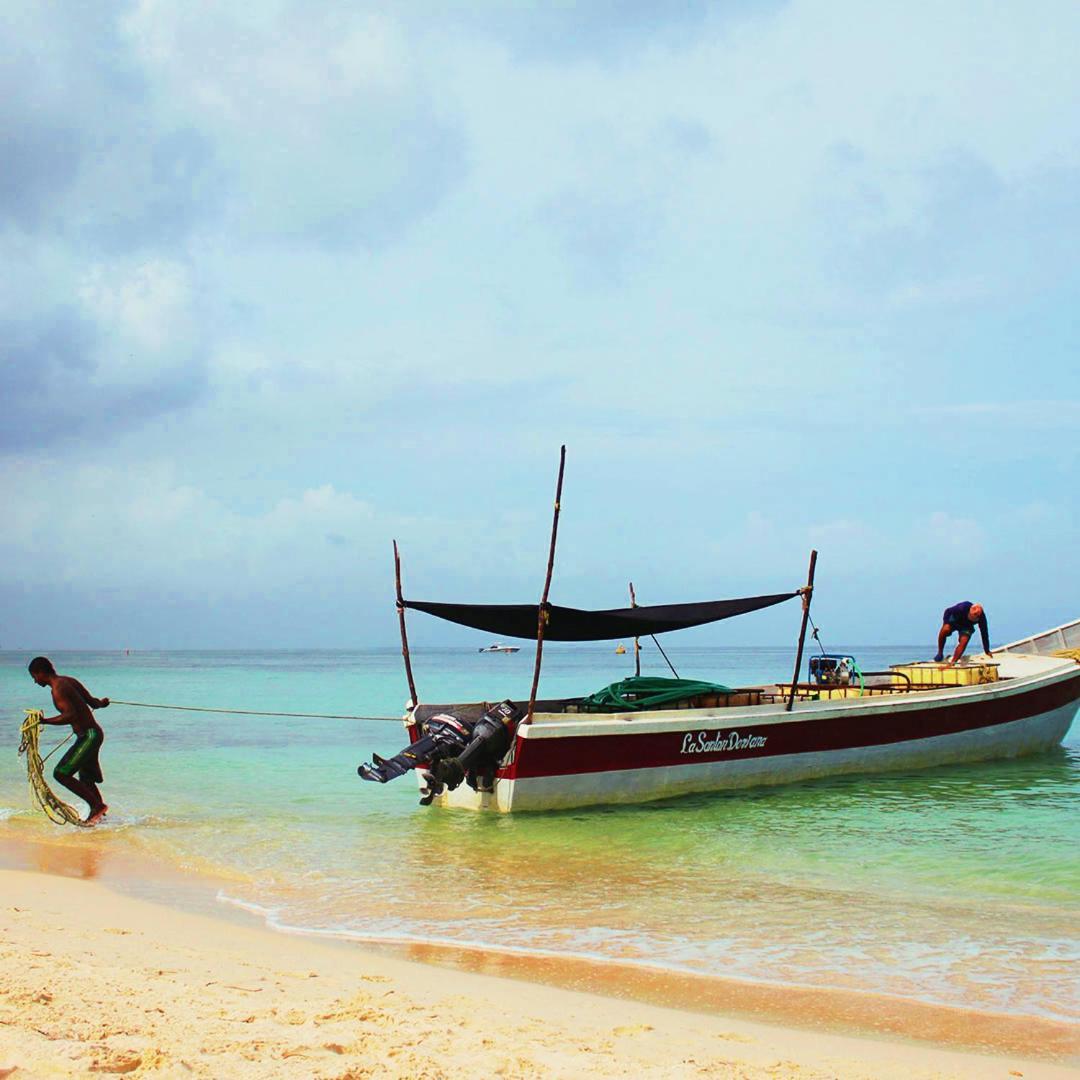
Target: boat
{"x": 645, "y": 741}
{"x": 498, "y": 646}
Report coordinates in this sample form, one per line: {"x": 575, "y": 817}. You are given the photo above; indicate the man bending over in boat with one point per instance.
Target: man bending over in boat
{"x": 962, "y": 619}
{"x": 75, "y": 703}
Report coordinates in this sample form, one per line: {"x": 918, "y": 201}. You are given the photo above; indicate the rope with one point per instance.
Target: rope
{"x": 53, "y": 807}
{"x": 664, "y": 655}
{"x": 62, "y": 742}
{"x": 254, "y": 712}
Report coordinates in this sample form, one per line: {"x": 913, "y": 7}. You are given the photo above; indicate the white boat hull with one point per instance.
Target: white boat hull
{"x": 1017, "y": 739}
{"x": 558, "y": 762}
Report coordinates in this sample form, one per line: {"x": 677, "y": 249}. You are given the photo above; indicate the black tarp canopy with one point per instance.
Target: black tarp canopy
{"x": 573, "y": 624}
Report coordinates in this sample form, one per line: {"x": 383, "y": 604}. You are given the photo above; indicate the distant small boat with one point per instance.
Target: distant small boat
{"x": 620, "y": 649}
{"x": 498, "y": 646}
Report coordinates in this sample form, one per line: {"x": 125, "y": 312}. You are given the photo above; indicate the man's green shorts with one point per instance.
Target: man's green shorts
{"x": 82, "y": 758}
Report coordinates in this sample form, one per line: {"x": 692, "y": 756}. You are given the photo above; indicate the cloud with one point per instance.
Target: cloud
{"x": 605, "y": 240}
{"x": 40, "y": 164}
{"x": 323, "y": 123}
{"x": 604, "y": 31}
{"x": 89, "y": 158}
{"x": 41, "y": 357}
{"x": 1037, "y": 413}
{"x": 164, "y": 190}
{"x": 311, "y": 267}
{"x": 127, "y": 352}
{"x": 140, "y": 524}
{"x": 148, "y": 306}
{"x": 968, "y": 235}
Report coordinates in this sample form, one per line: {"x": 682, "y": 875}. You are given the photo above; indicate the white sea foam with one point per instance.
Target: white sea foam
{"x": 274, "y": 922}
{"x": 265, "y": 913}
{"x": 115, "y": 822}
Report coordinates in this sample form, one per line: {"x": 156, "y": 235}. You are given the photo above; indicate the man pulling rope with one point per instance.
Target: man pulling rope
{"x": 75, "y": 705}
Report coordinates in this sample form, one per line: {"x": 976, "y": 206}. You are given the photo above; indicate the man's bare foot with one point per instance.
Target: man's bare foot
{"x": 97, "y": 815}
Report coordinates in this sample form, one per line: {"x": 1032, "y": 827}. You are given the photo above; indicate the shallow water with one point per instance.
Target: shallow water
{"x": 959, "y": 885}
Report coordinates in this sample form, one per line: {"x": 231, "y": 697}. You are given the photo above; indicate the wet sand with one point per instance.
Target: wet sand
{"x": 99, "y": 980}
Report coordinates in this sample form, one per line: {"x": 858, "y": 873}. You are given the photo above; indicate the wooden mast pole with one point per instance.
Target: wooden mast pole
{"x": 637, "y": 641}
{"x": 806, "y": 594}
{"x": 401, "y": 623}
{"x": 542, "y": 615}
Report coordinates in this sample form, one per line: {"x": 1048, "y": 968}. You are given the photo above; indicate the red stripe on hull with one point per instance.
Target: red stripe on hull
{"x": 605, "y": 753}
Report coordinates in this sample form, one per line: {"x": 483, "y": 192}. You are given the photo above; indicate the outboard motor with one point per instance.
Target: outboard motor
{"x": 832, "y": 669}
{"x": 491, "y": 739}
{"x": 441, "y": 736}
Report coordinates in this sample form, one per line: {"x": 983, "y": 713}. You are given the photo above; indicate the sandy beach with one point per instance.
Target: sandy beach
{"x": 536, "y": 538}
{"x": 94, "y": 982}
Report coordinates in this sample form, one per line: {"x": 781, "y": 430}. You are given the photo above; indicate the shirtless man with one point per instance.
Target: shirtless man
{"x": 75, "y": 702}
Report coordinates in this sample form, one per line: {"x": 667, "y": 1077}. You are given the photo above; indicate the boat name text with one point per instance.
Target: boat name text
{"x": 703, "y": 744}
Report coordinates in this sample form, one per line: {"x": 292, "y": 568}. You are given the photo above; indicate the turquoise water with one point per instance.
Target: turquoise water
{"x": 958, "y": 885}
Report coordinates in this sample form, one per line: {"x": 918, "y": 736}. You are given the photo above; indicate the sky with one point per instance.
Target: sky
{"x": 286, "y": 281}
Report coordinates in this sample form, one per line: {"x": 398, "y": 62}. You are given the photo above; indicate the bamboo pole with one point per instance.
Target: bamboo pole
{"x": 637, "y": 641}
{"x": 542, "y": 615}
{"x": 806, "y": 594}
{"x": 401, "y": 622}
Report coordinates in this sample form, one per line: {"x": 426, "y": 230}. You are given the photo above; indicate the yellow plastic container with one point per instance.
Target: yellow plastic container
{"x": 930, "y": 674}
{"x": 831, "y": 693}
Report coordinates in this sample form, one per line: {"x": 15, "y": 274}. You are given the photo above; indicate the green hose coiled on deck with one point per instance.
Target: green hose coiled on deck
{"x": 647, "y": 692}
